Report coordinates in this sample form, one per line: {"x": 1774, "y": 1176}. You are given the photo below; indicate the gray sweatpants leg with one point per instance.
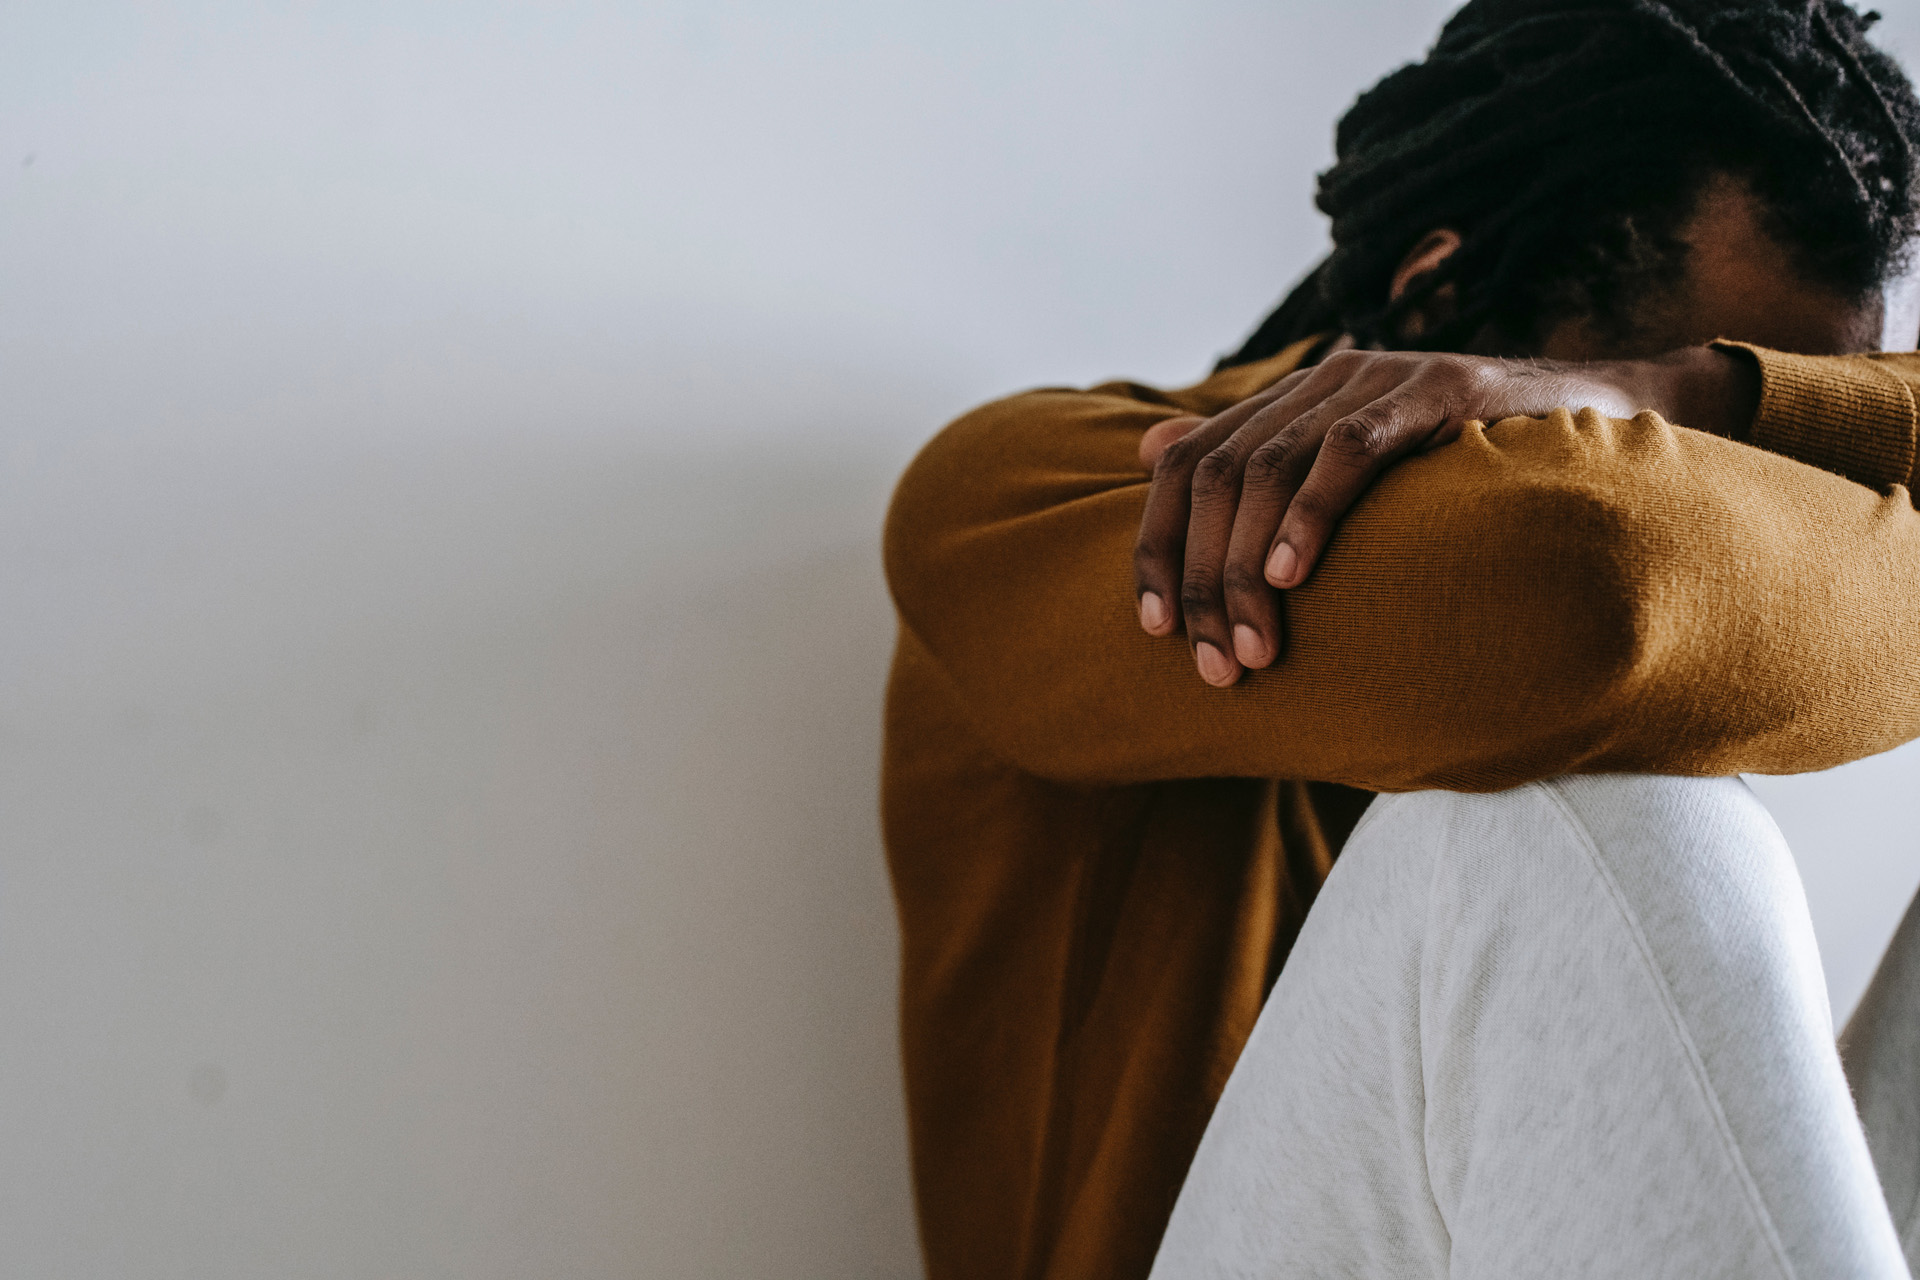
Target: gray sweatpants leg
{"x": 1578, "y": 1029}
{"x": 1881, "y": 1052}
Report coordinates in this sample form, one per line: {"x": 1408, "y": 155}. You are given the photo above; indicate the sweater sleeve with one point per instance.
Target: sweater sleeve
{"x": 1851, "y": 415}
{"x": 1543, "y": 596}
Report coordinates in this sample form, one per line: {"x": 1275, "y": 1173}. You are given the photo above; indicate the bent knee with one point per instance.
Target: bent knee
{"x": 1697, "y": 861}
{"x": 1684, "y": 845}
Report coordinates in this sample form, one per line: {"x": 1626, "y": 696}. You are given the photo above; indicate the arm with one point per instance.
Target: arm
{"x": 1851, "y": 415}
{"x": 1579, "y": 594}
{"x": 1247, "y": 500}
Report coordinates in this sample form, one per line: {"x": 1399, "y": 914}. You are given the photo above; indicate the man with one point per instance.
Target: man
{"x": 1102, "y": 859}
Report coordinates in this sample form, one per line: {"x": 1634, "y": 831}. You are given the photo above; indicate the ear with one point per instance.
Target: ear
{"x": 1434, "y": 248}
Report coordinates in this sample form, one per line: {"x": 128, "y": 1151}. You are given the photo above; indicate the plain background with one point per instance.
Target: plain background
{"x": 441, "y": 454}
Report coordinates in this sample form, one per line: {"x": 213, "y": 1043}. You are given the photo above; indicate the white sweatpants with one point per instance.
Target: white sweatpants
{"x": 1577, "y": 1029}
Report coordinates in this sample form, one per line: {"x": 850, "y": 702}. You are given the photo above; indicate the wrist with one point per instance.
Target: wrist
{"x": 1704, "y": 388}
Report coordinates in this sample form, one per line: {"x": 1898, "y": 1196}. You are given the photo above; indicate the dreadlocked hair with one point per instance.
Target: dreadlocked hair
{"x": 1566, "y": 140}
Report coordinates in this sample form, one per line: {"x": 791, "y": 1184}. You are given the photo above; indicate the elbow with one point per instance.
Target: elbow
{"x": 1690, "y": 636}
{"x": 951, "y": 486}
{"x": 1524, "y": 637}
{"x": 1596, "y": 631}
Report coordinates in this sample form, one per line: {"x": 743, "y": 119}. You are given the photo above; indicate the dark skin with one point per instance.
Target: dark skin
{"x": 1243, "y": 504}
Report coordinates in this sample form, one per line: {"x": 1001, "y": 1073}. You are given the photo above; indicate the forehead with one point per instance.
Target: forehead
{"x": 1740, "y": 282}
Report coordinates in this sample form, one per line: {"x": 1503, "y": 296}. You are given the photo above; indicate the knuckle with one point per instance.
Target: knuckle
{"x": 1271, "y": 461}
{"x": 1241, "y": 581}
{"x": 1310, "y": 509}
{"x": 1464, "y": 376}
{"x": 1154, "y": 550}
{"x": 1355, "y": 437}
{"x": 1345, "y": 362}
{"x": 1458, "y": 381}
{"x": 1199, "y": 597}
{"x": 1215, "y": 473}
{"x": 1179, "y": 456}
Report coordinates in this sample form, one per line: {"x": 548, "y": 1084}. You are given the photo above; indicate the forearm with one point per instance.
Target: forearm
{"x": 1709, "y": 389}
{"x": 1538, "y": 598}
{"x": 1712, "y": 389}
{"x": 1853, "y": 416}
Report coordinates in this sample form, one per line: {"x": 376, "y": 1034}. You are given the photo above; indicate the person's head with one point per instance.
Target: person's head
{"x": 1586, "y": 178}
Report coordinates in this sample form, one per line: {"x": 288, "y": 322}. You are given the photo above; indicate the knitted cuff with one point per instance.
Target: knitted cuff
{"x": 1838, "y": 413}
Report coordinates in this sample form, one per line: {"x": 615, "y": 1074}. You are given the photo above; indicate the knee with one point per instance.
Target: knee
{"x": 1707, "y": 839}
{"x": 1694, "y": 868}
{"x": 1700, "y": 848}
{"x": 1693, "y": 858}
{"x": 1676, "y": 852}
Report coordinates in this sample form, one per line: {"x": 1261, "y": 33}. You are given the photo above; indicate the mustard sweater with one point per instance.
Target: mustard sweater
{"x": 1100, "y": 861}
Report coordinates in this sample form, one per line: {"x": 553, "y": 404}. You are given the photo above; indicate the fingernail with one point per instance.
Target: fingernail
{"x": 1248, "y": 646}
{"x": 1281, "y": 564}
{"x": 1216, "y": 668}
{"x": 1153, "y": 613}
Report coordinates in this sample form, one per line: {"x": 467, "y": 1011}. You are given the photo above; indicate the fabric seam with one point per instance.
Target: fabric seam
{"x": 1440, "y": 842}
{"x": 1551, "y": 788}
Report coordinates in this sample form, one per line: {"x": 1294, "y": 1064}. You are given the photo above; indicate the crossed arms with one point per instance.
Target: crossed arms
{"x": 1572, "y": 593}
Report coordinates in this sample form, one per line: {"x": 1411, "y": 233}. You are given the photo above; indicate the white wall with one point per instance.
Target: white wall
{"x": 441, "y": 455}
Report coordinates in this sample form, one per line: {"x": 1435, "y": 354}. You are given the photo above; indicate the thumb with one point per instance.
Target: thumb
{"x": 1160, "y": 435}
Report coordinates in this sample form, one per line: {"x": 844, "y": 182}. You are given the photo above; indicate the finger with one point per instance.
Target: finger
{"x": 1160, "y": 549}
{"x": 1357, "y": 448}
{"x": 1161, "y": 544}
{"x": 1160, "y": 435}
{"x": 1214, "y": 493}
{"x": 1220, "y": 649}
{"x": 1273, "y": 472}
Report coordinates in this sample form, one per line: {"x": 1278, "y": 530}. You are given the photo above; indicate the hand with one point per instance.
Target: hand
{"x": 1245, "y": 502}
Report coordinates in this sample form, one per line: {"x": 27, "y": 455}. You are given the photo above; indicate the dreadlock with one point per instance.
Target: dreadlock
{"x": 1565, "y": 140}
